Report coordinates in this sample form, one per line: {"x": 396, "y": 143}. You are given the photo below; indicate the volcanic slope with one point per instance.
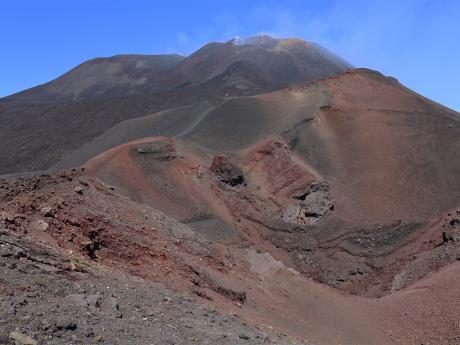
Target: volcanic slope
{"x": 73, "y": 249}
{"x": 373, "y": 140}
{"x": 252, "y": 65}
{"x": 46, "y": 123}
{"x": 256, "y": 64}
{"x": 82, "y": 263}
{"x": 116, "y": 76}
{"x": 350, "y": 176}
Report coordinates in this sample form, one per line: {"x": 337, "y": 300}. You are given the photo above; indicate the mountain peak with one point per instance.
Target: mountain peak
{"x": 269, "y": 42}
{"x": 257, "y": 40}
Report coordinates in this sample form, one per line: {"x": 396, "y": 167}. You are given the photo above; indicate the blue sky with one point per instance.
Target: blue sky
{"x": 416, "y": 41}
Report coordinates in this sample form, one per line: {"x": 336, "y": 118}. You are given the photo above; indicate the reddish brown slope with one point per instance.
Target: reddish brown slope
{"x": 95, "y": 229}
{"x": 349, "y": 181}
{"x": 388, "y": 152}
{"x": 344, "y": 176}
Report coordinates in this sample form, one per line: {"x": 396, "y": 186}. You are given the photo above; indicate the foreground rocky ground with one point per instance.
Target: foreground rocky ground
{"x": 57, "y": 287}
{"x": 47, "y": 298}
{"x": 82, "y": 264}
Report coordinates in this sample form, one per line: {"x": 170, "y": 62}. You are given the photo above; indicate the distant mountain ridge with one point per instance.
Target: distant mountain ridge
{"x": 259, "y": 63}
{"x": 116, "y": 76}
{"x": 273, "y": 63}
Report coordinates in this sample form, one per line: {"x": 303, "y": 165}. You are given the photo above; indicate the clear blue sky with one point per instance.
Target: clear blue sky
{"x": 416, "y": 41}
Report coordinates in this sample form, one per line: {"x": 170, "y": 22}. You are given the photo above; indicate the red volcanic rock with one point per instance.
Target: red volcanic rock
{"x": 226, "y": 170}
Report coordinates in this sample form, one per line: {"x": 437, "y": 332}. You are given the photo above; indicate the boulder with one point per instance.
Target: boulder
{"x": 79, "y": 190}
{"x": 226, "y": 170}
{"x": 22, "y": 339}
{"x": 47, "y": 211}
{"x": 66, "y": 324}
{"x": 314, "y": 203}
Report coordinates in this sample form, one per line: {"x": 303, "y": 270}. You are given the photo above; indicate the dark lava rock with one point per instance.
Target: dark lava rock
{"x": 47, "y": 212}
{"x": 79, "y": 190}
{"x": 226, "y": 170}
{"x": 66, "y": 324}
{"x": 244, "y": 336}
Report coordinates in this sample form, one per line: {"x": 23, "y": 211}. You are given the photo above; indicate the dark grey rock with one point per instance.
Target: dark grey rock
{"x": 66, "y": 324}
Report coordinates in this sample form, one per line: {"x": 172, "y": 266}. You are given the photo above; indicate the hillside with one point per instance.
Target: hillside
{"x": 376, "y": 154}
{"x": 258, "y": 191}
{"x": 45, "y": 124}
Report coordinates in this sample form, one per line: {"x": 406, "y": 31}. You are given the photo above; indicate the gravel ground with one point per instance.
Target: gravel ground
{"x": 46, "y": 298}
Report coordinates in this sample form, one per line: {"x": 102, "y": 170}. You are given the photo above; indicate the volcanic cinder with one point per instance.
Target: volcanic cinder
{"x": 259, "y": 191}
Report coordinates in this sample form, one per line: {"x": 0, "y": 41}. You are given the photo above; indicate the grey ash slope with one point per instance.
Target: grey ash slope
{"x": 259, "y": 63}
{"x": 45, "y": 124}
{"x": 116, "y": 76}
{"x": 226, "y": 124}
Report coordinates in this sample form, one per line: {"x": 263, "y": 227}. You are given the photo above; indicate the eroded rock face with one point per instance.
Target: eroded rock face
{"x": 451, "y": 229}
{"x": 226, "y": 170}
{"x": 160, "y": 150}
{"x": 314, "y": 203}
